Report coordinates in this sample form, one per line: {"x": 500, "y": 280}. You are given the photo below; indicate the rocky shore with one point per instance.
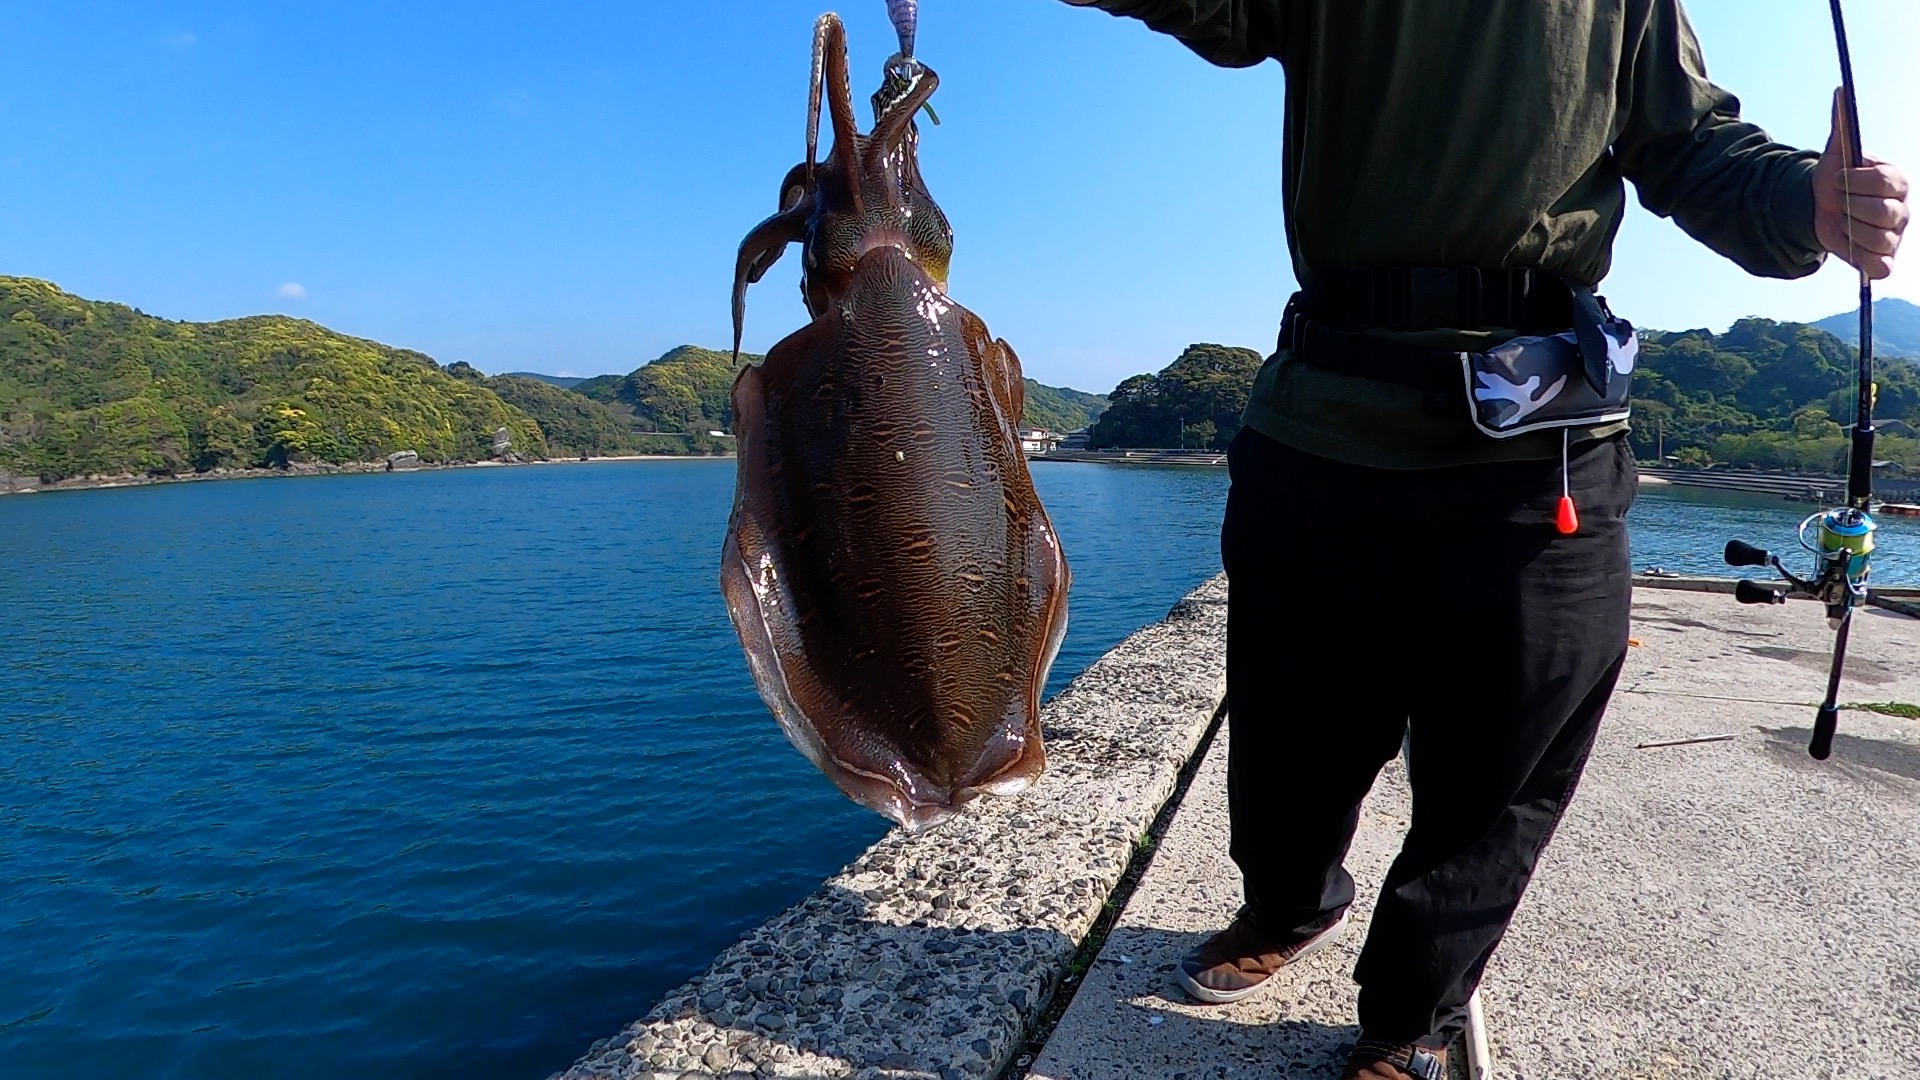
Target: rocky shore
{"x": 12, "y": 484}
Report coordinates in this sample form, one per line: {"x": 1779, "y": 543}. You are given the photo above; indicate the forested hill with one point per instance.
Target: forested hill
{"x": 1764, "y": 394}
{"x": 690, "y": 389}
{"x": 1060, "y": 409}
{"x": 100, "y": 389}
{"x": 1194, "y": 402}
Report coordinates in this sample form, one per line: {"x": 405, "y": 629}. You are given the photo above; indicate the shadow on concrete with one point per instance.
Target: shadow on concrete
{"x": 1130, "y": 1018}
{"x": 1853, "y": 755}
{"x": 1871, "y": 672}
{"x": 1682, "y": 622}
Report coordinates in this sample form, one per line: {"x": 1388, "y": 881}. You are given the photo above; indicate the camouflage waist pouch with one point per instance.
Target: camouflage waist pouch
{"x": 1576, "y": 379}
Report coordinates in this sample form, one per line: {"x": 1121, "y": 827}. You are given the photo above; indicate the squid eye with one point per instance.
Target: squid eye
{"x": 791, "y": 197}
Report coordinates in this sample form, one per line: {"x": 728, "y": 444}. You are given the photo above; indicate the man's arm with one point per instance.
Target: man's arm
{"x": 1730, "y": 185}
{"x": 1231, "y": 33}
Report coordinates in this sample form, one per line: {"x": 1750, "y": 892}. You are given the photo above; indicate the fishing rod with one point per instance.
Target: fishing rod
{"x": 1842, "y": 538}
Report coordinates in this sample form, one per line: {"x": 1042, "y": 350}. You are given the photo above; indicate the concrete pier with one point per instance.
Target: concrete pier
{"x": 1720, "y": 910}
{"x": 932, "y": 956}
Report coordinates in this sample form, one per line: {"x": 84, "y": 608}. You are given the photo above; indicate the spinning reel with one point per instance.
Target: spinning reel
{"x": 1841, "y": 541}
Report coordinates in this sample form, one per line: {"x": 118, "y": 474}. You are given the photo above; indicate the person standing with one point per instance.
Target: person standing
{"x": 1454, "y": 177}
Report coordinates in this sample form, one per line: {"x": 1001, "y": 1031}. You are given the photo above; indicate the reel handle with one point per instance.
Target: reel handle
{"x": 1824, "y": 725}
{"x": 1752, "y": 592}
{"x": 1742, "y": 554}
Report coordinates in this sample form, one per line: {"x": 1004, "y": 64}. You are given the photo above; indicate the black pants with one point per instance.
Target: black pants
{"x": 1368, "y": 602}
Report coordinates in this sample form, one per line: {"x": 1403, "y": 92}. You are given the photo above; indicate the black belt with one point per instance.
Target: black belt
{"x": 1435, "y": 371}
{"x": 1322, "y": 328}
{"x": 1442, "y": 298}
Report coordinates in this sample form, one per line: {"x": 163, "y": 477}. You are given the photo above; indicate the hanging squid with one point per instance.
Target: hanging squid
{"x": 893, "y": 578}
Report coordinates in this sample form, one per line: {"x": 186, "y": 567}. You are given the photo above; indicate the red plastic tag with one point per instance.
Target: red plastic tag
{"x": 1568, "y": 519}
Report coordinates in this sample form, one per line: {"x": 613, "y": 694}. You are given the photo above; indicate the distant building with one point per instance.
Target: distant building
{"x": 1039, "y": 440}
{"x": 1078, "y": 440}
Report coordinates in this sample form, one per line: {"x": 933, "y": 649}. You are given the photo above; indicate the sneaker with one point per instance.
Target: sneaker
{"x": 1236, "y": 962}
{"x": 1373, "y": 1060}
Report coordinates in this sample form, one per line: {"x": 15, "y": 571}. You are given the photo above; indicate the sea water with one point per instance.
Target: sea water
{"x": 451, "y": 773}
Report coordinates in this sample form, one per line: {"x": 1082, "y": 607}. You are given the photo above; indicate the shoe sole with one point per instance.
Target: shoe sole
{"x": 1227, "y": 997}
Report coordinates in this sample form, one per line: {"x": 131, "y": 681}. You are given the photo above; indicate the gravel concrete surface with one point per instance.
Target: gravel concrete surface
{"x": 931, "y": 956}
{"x": 1724, "y": 910}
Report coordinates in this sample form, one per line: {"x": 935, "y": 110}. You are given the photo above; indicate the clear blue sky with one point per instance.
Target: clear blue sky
{"x": 561, "y": 187}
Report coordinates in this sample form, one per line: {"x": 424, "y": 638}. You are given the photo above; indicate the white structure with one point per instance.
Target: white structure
{"x": 1038, "y": 440}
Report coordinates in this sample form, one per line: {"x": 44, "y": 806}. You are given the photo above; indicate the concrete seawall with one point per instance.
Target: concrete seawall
{"x": 1730, "y": 909}
{"x": 930, "y": 956}
{"x": 1136, "y": 457}
{"x": 1717, "y": 910}
{"x": 1799, "y": 487}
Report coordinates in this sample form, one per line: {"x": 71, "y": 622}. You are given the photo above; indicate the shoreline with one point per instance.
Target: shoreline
{"x": 17, "y": 485}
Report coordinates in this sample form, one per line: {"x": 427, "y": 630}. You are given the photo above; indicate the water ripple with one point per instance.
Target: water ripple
{"x": 444, "y": 774}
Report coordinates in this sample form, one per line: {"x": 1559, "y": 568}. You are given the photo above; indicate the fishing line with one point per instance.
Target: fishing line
{"x": 1843, "y": 537}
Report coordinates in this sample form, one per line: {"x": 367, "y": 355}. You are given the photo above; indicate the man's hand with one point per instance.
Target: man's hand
{"x": 1858, "y": 214}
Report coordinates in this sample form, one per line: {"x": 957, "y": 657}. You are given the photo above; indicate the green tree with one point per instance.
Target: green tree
{"x": 222, "y": 440}
{"x": 1204, "y": 390}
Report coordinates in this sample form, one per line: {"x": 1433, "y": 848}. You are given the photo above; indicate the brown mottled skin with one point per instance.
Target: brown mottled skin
{"x": 894, "y": 580}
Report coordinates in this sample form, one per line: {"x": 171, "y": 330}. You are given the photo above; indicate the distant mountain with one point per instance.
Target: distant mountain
{"x": 1896, "y": 327}
{"x": 690, "y": 389}
{"x": 89, "y": 388}
{"x": 1060, "y": 409}
{"x": 596, "y": 387}
{"x": 573, "y": 425}
{"x": 93, "y": 388}
{"x": 562, "y": 381}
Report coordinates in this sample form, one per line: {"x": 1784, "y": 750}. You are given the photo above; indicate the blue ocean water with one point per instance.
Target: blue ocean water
{"x": 419, "y": 775}
{"x": 449, "y": 773}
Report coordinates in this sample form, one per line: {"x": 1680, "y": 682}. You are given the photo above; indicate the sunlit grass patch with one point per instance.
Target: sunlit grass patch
{"x": 1889, "y": 708}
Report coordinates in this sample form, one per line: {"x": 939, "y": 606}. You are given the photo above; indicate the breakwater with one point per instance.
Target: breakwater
{"x": 941, "y": 957}
{"x": 1799, "y": 487}
{"x": 1709, "y": 909}
{"x": 1135, "y": 457}
{"x": 930, "y": 957}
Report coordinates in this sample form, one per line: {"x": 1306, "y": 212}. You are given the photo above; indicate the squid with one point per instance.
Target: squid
{"x": 895, "y": 583}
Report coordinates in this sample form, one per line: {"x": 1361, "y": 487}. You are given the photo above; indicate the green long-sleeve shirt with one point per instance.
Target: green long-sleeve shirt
{"x": 1490, "y": 133}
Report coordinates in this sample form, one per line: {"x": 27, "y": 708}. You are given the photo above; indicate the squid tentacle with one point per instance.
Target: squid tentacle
{"x": 758, "y": 252}
{"x": 832, "y": 76}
